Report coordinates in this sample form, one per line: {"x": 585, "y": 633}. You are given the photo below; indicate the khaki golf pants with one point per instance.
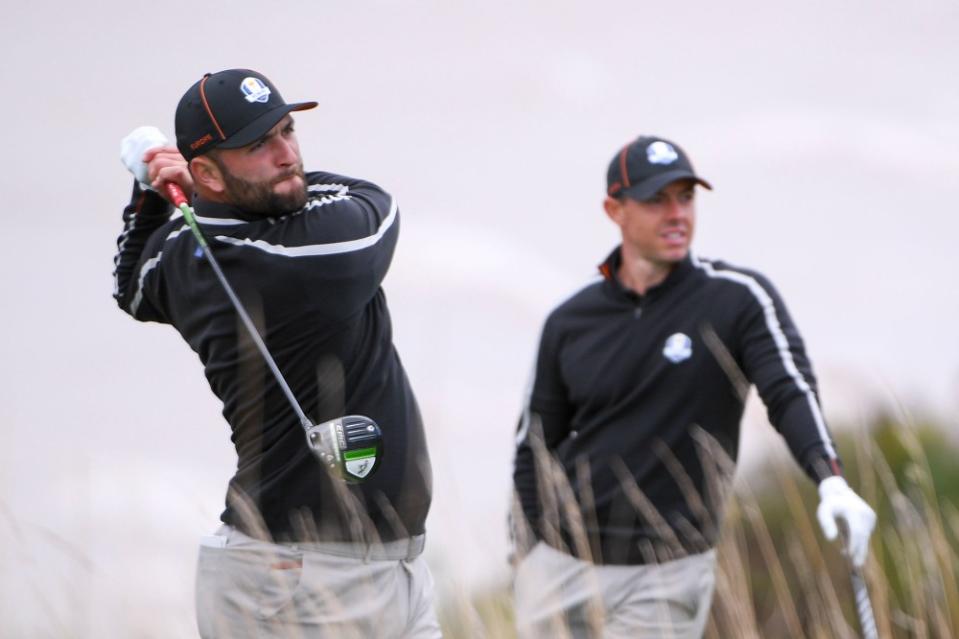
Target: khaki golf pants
{"x": 558, "y": 596}
{"x": 246, "y": 588}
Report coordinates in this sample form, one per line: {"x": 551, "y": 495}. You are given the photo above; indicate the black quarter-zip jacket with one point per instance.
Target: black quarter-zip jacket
{"x": 311, "y": 282}
{"x": 634, "y": 397}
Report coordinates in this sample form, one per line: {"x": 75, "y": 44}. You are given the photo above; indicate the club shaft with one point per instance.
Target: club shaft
{"x": 244, "y": 316}
{"x": 867, "y": 621}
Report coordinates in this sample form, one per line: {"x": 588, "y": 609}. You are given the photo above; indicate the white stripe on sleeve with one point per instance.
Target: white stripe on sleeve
{"x": 148, "y": 266}
{"x": 311, "y": 250}
{"x": 782, "y": 344}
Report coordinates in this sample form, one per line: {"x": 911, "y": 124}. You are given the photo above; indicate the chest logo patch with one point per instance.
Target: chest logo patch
{"x": 678, "y": 348}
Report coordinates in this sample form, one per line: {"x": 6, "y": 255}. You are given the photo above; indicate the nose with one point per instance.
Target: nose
{"x": 286, "y": 151}
{"x": 675, "y": 209}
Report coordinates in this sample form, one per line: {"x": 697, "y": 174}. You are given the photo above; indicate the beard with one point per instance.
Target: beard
{"x": 259, "y": 197}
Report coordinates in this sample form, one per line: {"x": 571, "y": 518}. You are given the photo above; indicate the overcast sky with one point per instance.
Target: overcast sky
{"x": 829, "y": 131}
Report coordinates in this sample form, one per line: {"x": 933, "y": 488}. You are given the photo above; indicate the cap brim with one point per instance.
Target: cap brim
{"x": 262, "y": 125}
{"x": 650, "y": 187}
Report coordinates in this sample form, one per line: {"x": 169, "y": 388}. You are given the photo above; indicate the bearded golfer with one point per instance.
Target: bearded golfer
{"x": 639, "y": 389}
{"x": 300, "y": 553}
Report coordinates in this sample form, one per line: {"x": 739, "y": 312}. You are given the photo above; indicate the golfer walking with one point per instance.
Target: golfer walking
{"x": 300, "y": 552}
{"x": 639, "y": 389}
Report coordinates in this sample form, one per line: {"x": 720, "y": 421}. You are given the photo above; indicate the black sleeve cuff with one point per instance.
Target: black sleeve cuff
{"x": 149, "y": 203}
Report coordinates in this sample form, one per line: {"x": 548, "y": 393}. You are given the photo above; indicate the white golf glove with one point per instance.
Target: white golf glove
{"x": 134, "y": 145}
{"x": 839, "y": 501}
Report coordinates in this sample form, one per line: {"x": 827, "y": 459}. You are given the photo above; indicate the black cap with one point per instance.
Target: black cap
{"x": 647, "y": 164}
{"x": 227, "y": 110}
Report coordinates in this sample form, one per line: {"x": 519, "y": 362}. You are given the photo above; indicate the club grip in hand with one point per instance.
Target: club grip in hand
{"x": 176, "y": 194}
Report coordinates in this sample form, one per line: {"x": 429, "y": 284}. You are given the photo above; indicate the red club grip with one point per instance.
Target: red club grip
{"x": 176, "y": 194}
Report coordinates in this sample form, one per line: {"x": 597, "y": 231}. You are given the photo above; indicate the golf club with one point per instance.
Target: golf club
{"x": 867, "y": 621}
{"x": 350, "y": 446}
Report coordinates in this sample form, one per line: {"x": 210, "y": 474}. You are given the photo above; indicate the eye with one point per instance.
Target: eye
{"x": 255, "y": 146}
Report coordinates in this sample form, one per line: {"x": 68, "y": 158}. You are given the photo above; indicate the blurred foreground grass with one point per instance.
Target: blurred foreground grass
{"x": 778, "y": 577}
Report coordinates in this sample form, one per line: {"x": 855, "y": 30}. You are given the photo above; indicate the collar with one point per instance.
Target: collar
{"x": 609, "y": 269}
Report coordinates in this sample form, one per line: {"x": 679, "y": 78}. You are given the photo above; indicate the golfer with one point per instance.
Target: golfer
{"x": 300, "y": 553}
{"x": 639, "y": 389}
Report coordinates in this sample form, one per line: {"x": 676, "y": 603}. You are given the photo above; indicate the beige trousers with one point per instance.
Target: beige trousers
{"x": 246, "y": 588}
{"x": 557, "y": 596}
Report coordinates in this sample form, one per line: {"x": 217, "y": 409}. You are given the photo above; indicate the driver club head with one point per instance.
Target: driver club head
{"x": 351, "y": 447}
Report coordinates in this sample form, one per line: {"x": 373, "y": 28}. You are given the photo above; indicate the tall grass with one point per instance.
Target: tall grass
{"x": 778, "y": 577}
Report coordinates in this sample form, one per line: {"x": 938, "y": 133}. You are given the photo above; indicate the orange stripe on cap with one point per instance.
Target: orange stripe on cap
{"x": 622, "y": 166}
{"x": 209, "y": 111}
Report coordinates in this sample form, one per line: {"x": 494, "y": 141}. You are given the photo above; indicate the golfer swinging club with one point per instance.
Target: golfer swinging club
{"x": 639, "y": 388}
{"x": 301, "y": 552}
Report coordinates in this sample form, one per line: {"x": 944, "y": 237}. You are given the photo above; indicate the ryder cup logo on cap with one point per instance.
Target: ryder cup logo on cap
{"x": 255, "y": 90}
{"x": 660, "y": 152}
{"x": 678, "y": 348}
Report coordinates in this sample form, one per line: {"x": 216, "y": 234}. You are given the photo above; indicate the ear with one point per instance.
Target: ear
{"x": 614, "y": 209}
{"x": 207, "y": 176}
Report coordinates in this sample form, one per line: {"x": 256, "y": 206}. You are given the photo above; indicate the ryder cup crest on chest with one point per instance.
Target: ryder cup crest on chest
{"x": 678, "y": 348}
